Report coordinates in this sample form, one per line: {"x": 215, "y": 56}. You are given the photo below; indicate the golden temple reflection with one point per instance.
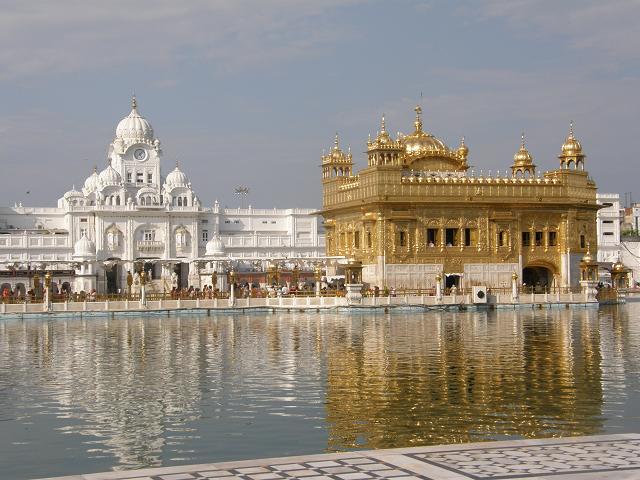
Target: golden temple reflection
{"x": 471, "y": 380}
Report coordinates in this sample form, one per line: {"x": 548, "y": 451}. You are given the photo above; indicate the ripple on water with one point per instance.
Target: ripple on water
{"x": 140, "y": 392}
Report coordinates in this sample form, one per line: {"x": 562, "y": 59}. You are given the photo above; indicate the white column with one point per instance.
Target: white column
{"x": 438, "y": 289}
{"x": 143, "y": 295}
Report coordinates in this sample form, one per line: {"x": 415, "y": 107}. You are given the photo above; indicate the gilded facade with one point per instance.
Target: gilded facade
{"x": 416, "y": 213}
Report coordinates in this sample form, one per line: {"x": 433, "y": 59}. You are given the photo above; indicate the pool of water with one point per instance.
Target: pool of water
{"x": 79, "y": 396}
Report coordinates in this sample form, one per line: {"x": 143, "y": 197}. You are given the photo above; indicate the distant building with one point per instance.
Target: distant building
{"x": 416, "y": 213}
{"x": 129, "y": 217}
{"x": 609, "y": 223}
{"x": 631, "y": 219}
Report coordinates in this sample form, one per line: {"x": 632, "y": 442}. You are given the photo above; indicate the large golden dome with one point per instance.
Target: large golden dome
{"x": 420, "y": 142}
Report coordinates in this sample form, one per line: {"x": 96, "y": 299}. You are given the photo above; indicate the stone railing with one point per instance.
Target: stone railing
{"x": 480, "y": 180}
{"x": 150, "y": 246}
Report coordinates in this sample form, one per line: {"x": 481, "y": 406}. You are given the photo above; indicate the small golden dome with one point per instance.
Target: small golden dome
{"x": 336, "y": 154}
{"x": 463, "y": 150}
{"x": 571, "y": 147}
{"x": 587, "y": 258}
{"x": 522, "y": 156}
{"x": 618, "y": 267}
{"x": 383, "y": 137}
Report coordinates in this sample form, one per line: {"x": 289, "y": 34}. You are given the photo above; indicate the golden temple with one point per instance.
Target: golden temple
{"x": 415, "y": 213}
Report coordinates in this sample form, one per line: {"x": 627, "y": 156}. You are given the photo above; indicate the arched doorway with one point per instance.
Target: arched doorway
{"x": 452, "y": 280}
{"x": 537, "y": 278}
{"x": 112, "y": 276}
{"x": 20, "y": 290}
{"x": 182, "y": 271}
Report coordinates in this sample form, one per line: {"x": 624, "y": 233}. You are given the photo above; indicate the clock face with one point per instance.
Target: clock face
{"x": 140, "y": 154}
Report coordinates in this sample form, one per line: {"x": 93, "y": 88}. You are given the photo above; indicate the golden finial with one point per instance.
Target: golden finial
{"x": 462, "y": 144}
{"x": 522, "y": 144}
{"x": 418, "y": 122}
{"x": 571, "y": 129}
{"x": 134, "y": 104}
{"x": 382, "y": 125}
{"x": 336, "y": 142}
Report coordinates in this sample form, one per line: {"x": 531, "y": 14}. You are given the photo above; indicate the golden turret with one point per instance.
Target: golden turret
{"x": 463, "y": 150}
{"x": 571, "y": 156}
{"x": 383, "y": 150}
{"x": 523, "y": 161}
{"x": 337, "y": 163}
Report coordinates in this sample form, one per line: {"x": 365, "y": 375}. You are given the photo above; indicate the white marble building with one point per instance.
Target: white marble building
{"x": 129, "y": 216}
{"x": 608, "y": 227}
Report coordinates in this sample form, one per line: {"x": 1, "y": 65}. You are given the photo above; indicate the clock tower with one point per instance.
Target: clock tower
{"x": 135, "y": 154}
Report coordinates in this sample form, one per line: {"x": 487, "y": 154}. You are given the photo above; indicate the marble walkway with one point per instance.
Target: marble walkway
{"x": 596, "y": 457}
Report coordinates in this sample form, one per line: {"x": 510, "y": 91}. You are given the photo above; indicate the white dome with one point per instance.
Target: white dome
{"x": 134, "y": 127}
{"x": 215, "y": 247}
{"x": 177, "y": 178}
{"x": 84, "y": 248}
{"x": 91, "y": 183}
{"x": 109, "y": 176}
{"x": 73, "y": 193}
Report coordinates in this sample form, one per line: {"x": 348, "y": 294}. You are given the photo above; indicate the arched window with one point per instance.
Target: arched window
{"x": 184, "y": 202}
{"x": 141, "y": 200}
{"x": 118, "y": 200}
{"x": 181, "y": 237}
{"x": 179, "y": 201}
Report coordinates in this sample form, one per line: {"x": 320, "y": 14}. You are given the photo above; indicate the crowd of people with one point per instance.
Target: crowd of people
{"x": 246, "y": 289}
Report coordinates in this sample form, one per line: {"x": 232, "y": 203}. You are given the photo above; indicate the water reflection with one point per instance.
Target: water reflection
{"x": 127, "y": 393}
{"x": 460, "y": 379}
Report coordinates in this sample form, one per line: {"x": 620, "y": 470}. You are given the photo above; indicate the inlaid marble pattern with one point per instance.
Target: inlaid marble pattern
{"x": 357, "y": 468}
{"x": 580, "y": 458}
{"x": 533, "y": 461}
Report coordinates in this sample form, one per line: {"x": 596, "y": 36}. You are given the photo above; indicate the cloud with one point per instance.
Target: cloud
{"x": 608, "y": 27}
{"x": 70, "y": 35}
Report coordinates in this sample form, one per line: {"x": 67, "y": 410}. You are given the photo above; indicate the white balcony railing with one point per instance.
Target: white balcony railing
{"x": 150, "y": 246}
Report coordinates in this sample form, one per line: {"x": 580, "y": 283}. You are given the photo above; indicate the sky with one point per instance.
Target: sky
{"x": 251, "y": 92}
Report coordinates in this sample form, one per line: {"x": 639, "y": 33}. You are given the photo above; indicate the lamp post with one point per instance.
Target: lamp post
{"x": 514, "y": 287}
